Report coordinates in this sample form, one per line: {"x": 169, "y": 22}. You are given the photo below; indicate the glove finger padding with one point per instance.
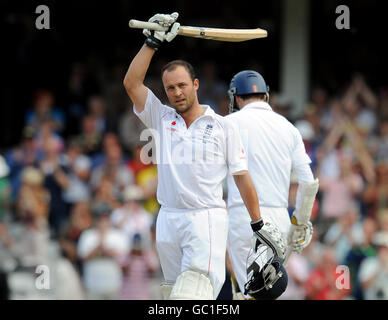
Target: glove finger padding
{"x": 299, "y": 236}
{"x": 270, "y": 235}
{"x": 164, "y": 20}
{"x": 173, "y": 32}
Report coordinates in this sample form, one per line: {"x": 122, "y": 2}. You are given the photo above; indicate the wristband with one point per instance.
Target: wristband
{"x": 257, "y": 225}
{"x": 153, "y": 43}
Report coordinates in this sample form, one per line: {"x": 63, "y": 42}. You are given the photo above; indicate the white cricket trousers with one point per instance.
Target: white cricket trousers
{"x": 193, "y": 240}
{"x": 240, "y": 236}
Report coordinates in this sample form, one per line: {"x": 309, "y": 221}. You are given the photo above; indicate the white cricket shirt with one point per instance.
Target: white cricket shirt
{"x": 274, "y": 146}
{"x": 192, "y": 162}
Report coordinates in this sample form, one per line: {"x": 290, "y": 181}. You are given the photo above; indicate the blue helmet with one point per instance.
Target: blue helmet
{"x": 246, "y": 82}
{"x": 267, "y": 276}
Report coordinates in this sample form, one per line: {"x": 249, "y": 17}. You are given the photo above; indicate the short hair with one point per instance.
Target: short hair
{"x": 260, "y": 96}
{"x": 172, "y": 65}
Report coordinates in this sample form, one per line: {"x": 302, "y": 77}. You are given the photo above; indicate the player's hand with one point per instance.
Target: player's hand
{"x": 268, "y": 234}
{"x": 155, "y": 38}
{"x": 300, "y": 235}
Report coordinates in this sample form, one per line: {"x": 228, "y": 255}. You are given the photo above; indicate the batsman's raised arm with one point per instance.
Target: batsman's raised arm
{"x": 134, "y": 79}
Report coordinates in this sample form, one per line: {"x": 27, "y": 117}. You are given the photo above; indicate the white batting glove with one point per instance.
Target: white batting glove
{"x": 155, "y": 38}
{"x": 173, "y": 32}
{"x": 268, "y": 234}
{"x": 300, "y": 235}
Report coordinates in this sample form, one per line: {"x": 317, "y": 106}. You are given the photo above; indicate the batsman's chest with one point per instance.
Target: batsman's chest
{"x": 202, "y": 141}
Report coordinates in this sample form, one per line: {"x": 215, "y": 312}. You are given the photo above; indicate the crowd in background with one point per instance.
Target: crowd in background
{"x": 75, "y": 195}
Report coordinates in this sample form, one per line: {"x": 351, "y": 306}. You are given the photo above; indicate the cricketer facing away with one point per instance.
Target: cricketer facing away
{"x": 192, "y": 224}
{"x": 274, "y": 148}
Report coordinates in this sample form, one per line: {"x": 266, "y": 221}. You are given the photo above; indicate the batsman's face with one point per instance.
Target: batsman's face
{"x": 181, "y": 91}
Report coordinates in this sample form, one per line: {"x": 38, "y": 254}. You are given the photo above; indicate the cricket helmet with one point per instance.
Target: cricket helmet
{"x": 267, "y": 277}
{"x": 244, "y": 83}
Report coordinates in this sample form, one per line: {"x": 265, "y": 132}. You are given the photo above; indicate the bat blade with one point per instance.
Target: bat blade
{"x": 228, "y": 35}
{"x": 219, "y": 34}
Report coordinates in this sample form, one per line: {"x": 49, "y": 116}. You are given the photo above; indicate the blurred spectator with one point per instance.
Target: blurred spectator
{"x": 332, "y": 115}
{"x": 80, "y": 219}
{"x": 321, "y": 284}
{"x": 130, "y": 128}
{"x": 25, "y": 154}
{"x": 373, "y": 273}
{"x": 298, "y": 270}
{"x": 109, "y": 139}
{"x": 343, "y": 140}
{"x": 142, "y": 261}
{"x": 212, "y": 89}
{"x": 106, "y": 192}
{"x": 345, "y": 233}
{"x": 81, "y": 84}
{"x": 340, "y": 192}
{"x": 319, "y": 99}
{"x": 314, "y": 251}
{"x": 55, "y": 180}
{"x": 381, "y": 153}
{"x": 97, "y": 108}
{"x": 138, "y": 267}
{"x": 46, "y": 133}
{"x": 315, "y": 113}
{"x": 67, "y": 281}
{"x": 376, "y": 194}
{"x": 5, "y": 190}
{"x": 100, "y": 248}
{"x": 114, "y": 94}
{"x": 307, "y": 132}
{"x": 131, "y": 217}
{"x": 44, "y": 111}
{"x": 360, "y": 104}
{"x": 75, "y": 182}
{"x": 76, "y": 92}
{"x": 89, "y": 137}
{"x": 358, "y": 253}
{"x": 7, "y": 257}
{"x": 114, "y": 169}
{"x": 146, "y": 176}
{"x": 136, "y": 163}
{"x": 382, "y": 219}
{"x": 32, "y": 206}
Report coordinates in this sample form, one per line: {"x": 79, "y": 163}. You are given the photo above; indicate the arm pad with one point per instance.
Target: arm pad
{"x": 305, "y": 198}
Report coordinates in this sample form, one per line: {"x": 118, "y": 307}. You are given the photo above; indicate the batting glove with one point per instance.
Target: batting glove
{"x": 268, "y": 234}
{"x": 300, "y": 235}
{"x": 155, "y": 38}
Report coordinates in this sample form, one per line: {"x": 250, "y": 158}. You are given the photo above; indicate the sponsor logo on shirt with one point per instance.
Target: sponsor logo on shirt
{"x": 172, "y": 127}
{"x": 207, "y": 134}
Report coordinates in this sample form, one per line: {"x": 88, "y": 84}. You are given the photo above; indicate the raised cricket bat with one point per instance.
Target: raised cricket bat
{"x": 229, "y": 35}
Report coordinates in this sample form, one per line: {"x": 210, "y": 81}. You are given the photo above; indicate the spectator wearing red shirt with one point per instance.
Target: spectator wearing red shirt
{"x": 322, "y": 282}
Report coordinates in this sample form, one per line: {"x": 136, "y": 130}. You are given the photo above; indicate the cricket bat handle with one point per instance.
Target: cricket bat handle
{"x": 137, "y": 24}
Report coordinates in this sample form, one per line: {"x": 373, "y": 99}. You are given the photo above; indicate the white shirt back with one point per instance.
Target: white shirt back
{"x": 192, "y": 162}
{"x": 274, "y": 146}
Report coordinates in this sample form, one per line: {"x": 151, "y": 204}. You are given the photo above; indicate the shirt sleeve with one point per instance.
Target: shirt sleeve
{"x": 304, "y": 174}
{"x": 154, "y": 111}
{"x": 236, "y": 156}
{"x": 299, "y": 155}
